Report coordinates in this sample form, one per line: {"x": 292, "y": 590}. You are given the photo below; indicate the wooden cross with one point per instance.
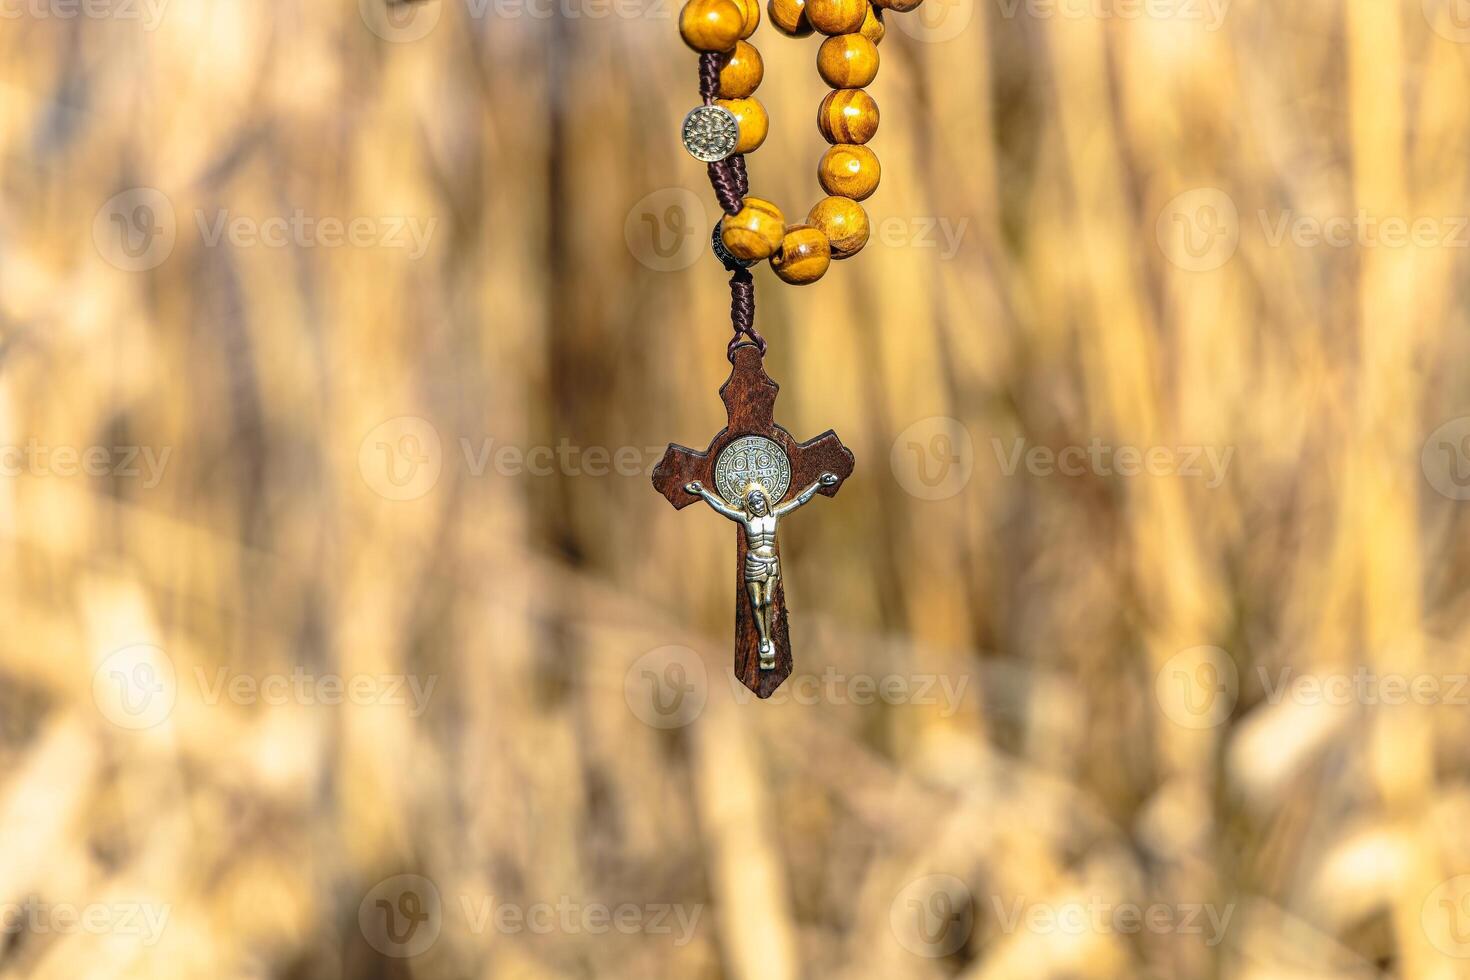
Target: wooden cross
{"x": 739, "y": 475}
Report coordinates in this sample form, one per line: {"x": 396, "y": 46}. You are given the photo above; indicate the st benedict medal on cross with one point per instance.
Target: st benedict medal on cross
{"x": 754, "y": 473}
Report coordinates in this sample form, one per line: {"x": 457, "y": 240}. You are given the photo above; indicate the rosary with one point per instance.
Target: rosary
{"x": 754, "y": 473}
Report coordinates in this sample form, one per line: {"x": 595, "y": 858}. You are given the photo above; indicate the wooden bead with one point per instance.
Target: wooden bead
{"x": 848, "y": 115}
{"x": 711, "y": 25}
{"x": 755, "y": 231}
{"x": 847, "y": 170}
{"x": 836, "y": 16}
{"x": 754, "y": 124}
{"x": 789, "y": 16}
{"x": 844, "y": 222}
{"x": 873, "y": 28}
{"x": 902, "y": 6}
{"x": 847, "y": 61}
{"x": 742, "y": 73}
{"x": 750, "y": 16}
{"x": 803, "y": 256}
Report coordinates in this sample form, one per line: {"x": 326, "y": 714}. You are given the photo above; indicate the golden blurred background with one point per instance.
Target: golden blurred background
{"x": 346, "y": 638}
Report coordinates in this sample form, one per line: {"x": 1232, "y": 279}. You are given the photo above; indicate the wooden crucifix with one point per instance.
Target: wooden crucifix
{"x": 755, "y": 473}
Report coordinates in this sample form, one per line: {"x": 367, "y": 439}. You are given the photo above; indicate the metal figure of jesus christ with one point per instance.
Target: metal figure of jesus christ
{"x": 762, "y": 567}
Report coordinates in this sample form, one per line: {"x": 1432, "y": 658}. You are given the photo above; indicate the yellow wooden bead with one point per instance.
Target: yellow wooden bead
{"x": 711, "y": 25}
{"x": 847, "y": 170}
{"x": 899, "y": 5}
{"x": 750, "y": 16}
{"x": 742, "y": 73}
{"x": 848, "y": 115}
{"x": 789, "y": 16}
{"x": 803, "y": 256}
{"x": 836, "y": 16}
{"x": 844, "y": 222}
{"x": 754, "y": 124}
{"x": 847, "y": 61}
{"x": 755, "y": 231}
{"x": 873, "y": 28}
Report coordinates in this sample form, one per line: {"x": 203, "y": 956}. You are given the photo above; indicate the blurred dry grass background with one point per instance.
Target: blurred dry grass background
{"x": 1067, "y": 769}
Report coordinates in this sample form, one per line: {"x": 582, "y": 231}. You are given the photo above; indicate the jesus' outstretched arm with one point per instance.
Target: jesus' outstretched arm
{"x": 825, "y": 480}
{"x": 716, "y": 504}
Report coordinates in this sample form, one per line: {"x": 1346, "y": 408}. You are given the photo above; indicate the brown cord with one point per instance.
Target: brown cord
{"x": 731, "y": 183}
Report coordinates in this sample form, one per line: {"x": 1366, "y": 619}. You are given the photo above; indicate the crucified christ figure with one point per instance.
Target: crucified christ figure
{"x": 762, "y": 568}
